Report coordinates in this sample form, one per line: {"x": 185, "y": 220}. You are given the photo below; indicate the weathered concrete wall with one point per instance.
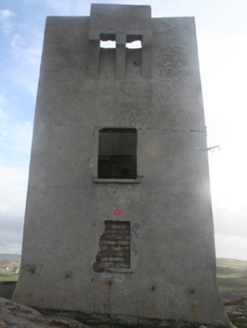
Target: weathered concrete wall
{"x": 157, "y": 91}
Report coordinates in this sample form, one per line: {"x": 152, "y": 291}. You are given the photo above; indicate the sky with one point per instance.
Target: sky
{"x": 222, "y": 45}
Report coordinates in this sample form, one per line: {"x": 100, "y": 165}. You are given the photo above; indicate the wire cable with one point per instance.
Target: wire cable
{"x": 9, "y": 242}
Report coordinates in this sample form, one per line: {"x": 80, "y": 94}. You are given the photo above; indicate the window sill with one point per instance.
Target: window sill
{"x": 138, "y": 180}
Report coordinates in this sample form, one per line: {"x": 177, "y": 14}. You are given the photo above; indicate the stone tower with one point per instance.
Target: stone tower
{"x": 118, "y": 219}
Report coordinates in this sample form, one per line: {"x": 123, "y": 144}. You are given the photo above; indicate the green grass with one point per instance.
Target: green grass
{"x": 228, "y": 272}
{"x": 232, "y": 277}
{"x": 9, "y": 277}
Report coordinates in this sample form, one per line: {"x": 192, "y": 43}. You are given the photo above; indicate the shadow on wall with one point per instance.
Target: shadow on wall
{"x": 7, "y": 289}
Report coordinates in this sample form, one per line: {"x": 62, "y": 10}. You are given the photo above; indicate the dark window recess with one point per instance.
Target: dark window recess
{"x": 107, "y": 37}
{"x": 117, "y": 154}
{"x": 133, "y": 37}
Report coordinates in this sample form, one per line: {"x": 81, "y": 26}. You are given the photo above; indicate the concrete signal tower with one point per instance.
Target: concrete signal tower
{"x": 118, "y": 222}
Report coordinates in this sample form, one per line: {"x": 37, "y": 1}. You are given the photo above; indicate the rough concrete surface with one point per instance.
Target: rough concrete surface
{"x": 16, "y": 315}
{"x": 155, "y": 90}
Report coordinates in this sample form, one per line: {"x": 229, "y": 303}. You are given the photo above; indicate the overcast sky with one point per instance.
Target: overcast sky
{"x": 222, "y": 41}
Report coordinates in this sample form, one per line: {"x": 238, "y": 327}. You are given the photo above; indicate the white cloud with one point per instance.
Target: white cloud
{"x": 10, "y": 233}
{"x": 17, "y": 136}
{"x": 230, "y": 231}
{"x": 3, "y": 114}
{"x": 15, "y": 144}
{"x": 231, "y": 247}
{"x": 70, "y": 8}
{"x": 231, "y": 223}
{"x": 25, "y": 60}
{"x": 5, "y": 21}
{"x": 2, "y": 100}
{"x": 13, "y": 190}
{"x": 15, "y": 139}
{"x": 228, "y": 173}
{"x": 61, "y": 8}
{"x": 6, "y": 13}
{"x": 12, "y": 205}
{"x": 16, "y": 39}
{"x": 222, "y": 50}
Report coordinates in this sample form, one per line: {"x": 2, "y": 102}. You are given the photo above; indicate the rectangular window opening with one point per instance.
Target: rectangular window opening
{"x": 133, "y": 41}
{"x": 108, "y": 41}
{"x": 117, "y": 157}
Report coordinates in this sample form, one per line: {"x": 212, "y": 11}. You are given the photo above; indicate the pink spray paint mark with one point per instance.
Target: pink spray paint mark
{"x": 117, "y": 212}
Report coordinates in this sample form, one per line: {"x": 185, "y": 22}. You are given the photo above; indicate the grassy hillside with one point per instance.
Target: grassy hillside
{"x": 232, "y": 278}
